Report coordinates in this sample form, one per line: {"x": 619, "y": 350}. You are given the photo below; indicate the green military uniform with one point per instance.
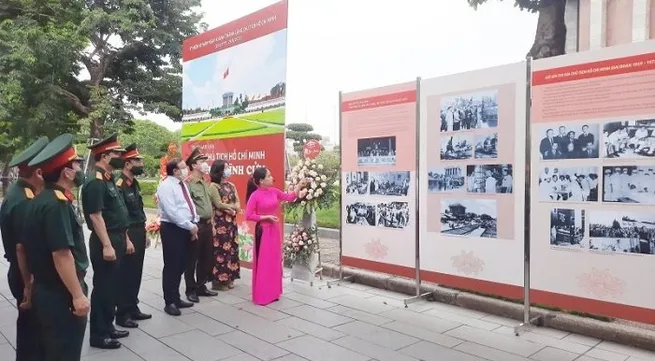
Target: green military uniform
{"x": 58, "y": 229}
{"x": 132, "y": 265}
{"x": 12, "y": 216}
{"x": 100, "y": 195}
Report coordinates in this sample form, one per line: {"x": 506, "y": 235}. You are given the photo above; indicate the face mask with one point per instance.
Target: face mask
{"x": 137, "y": 170}
{"x": 116, "y": 163}
{"x": 204, "y": 167}
{"x": 227, "y": 172}
{"x": 184, "y": 173}
{"x": 79, "y": 179}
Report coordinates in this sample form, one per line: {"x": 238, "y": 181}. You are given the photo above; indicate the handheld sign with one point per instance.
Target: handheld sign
{"x": 311, "y": 149}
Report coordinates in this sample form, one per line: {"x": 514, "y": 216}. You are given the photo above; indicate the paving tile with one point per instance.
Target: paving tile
{"x": 252, "y": 345}
{"x": 606, "y": 355}
{"x": 199, "y": 346}
{"x": 553, "y": 354}
{"x": 371, "y": 350}
{"x": 162, "y": 325}
{"x": 587, "y": 358}
{"x": 7, "y": 352}
{"x": 627, "y": 350}
{"x": 377, "y": 335}
{"x": 311, "y": 301}
{"x": 261, "y": 311}
{"x": 361, "y": 304}
{"x": 461, "y": 311}
{"x": 422, "y": 320}
{"x": 311, "y": 328}
{"x": 459, "y": 318}
{"x": 205, "y": 324}
{"x": 573, "y": 347}
{"x": 122, "y": 354}
{"x": 488, "y": 353}
{"x": 318, "y": 316}
{"x": 500, "y": 320}
{"x": 284, "y": 303}
{"x": 244, "y": 357}
{"x": 423, "y": 334}
{"x": 428, "y": 351}
{"x": 584, "y": 340}
{"x": 291, "y": 357}
{"x": 510, "y": 344}
{"x": 359, "y": 315}
{"x": 315, "y": 349}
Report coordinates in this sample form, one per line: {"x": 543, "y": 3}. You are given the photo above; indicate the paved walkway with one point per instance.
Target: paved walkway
{"x": 349, "y": 322}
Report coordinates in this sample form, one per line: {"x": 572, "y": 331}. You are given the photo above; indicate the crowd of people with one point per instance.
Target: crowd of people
{"x": 625, "y": 140}
{"x": 464, "y": 114}
{"x": 622, "y": 238}
{"x": 629, "y": 184}
{"x": 48, "y": 263}
{"x": 568, "y": 185}
{"x": 393, "y": 214}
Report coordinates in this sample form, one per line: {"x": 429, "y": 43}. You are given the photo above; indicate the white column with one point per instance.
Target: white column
{"x": 571, "y": 21}
{"x": 640, "y": 20}
{"x": 597, "y": 24}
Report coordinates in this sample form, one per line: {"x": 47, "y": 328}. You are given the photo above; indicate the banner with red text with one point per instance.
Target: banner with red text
{"x": 233, "y": 101}
{"x": 593, "y": 182}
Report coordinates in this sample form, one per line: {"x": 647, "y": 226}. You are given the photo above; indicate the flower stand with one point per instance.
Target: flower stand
{"x": 306, "y": 270}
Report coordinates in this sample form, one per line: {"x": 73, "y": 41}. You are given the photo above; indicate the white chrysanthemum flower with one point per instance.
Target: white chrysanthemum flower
{"x": 323, "y": 185}
{"x": 323, "y": 178}
{"x": 320, "y": 166}
{"x": 314, "y": 185}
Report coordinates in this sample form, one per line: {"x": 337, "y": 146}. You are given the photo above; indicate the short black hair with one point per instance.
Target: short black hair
{"x": 172, "y": 165}
{"x": 26, "y": 173}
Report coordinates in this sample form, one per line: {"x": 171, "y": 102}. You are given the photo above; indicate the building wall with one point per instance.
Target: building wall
{"x": 602, "y": 23}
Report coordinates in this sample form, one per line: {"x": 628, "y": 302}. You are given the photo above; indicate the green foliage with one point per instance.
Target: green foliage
{"x": 150, "y": 165}
{"x": 300, "y": 133}
{"x": 529, "y": 5}
{"x": 149, "y": 137}
{"x": 332, "y": 164}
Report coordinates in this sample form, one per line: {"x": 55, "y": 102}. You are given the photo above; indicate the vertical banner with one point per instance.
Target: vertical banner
{"x": 234, "y": 99}
{"x": 472, "y": 179}
{"x": 593, "y": 176}
{"x": 378, "y": 160}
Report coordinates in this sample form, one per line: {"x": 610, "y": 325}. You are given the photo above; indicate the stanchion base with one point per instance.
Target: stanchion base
{"x": 534, "y": 321}
{"x": 409, "y": 301}
{"x": 336, "y": 282}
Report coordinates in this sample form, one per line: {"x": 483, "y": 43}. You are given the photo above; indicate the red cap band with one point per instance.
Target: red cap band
{"x": 106, "y": 147}
{"x": 59, "y": 161}
{"x": 131, "y": 154}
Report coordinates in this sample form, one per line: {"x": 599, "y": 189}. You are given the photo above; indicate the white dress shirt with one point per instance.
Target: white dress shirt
{"x": 173, "y": 205}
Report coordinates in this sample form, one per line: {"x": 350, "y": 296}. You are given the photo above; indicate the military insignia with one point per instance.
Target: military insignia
{"x": 60, "y": 195}
{"x": 107, "y": 176}
{"x": 128, "y": 183}
{"x": 69, "y": 195}
{"x": 119, "y": 182}
{"x": 29, "y": 194}
{"x": 99, "y": 175}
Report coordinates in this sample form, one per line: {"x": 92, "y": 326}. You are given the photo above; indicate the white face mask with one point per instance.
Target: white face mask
{"x": 184, "y": 173}
{"x": 204, "y": 167}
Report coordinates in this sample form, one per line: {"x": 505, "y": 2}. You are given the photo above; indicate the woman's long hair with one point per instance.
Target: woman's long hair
{"x": 217, "y": 171}
{"x": 253, "y": 182}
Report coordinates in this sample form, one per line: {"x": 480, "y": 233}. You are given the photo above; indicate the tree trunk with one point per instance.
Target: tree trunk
{"x": 550, "y": 37}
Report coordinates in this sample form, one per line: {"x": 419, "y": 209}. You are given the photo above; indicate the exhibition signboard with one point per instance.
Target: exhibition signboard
{"x": 378, "y": 160}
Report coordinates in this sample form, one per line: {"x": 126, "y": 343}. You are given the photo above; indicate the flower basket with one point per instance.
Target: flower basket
{"x": 301, "y": 247}
{"x": 152, "y": 229}
{"x": 318, "y": 192}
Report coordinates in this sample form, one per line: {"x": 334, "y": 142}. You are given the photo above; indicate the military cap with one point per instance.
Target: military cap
{"x": 131, "y": 152}
{"x": 21, "y": 159}
{"x": 56, "y": 154}
{"x": 195, "y": 156}
{"x": 106, "y": 145}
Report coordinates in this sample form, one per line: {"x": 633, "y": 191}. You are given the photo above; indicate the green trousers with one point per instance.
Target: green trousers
{"x": 106, "y": 278}
{"x": 131, "y": 272}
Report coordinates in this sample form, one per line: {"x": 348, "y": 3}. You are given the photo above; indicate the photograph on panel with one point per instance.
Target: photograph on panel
{"x": 490, "y": 178}
{"x": 629, "y": 184}
{"x": 476, "y": 110}
{"x": 486, "y": 146}
{"x": 572, "y": 184}
{"x": 357, "y": 183}
{"x": 393, "y": 214}
{"x": 569, "y": 142}
{"x": 567, "y": 227}
{"x": 389, "y": 183}
{"x": 376, "y": 151}
{"x": 457, "y": 147}
{"x": 448, "y": 179}
{"x": 469, "y": 217}
{"x": 624, "y": 232}
{"x": 360, "y": 213}
{"x": 629, "y": 139}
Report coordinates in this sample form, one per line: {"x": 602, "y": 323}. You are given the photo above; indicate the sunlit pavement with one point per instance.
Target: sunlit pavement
{"x": 348, "y": 322}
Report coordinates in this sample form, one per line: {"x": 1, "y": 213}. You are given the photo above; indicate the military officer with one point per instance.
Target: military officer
{"x": 200, "y": 261}
{"x": 132, "y": 265}
{"x": 107, "y": 217}
{"x": 12, "y": 216}
{"x": 56, "y": 253}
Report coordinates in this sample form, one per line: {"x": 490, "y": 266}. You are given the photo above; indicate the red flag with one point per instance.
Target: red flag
{"x": 226, "y": 73}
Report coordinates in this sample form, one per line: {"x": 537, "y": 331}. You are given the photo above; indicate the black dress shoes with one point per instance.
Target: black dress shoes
{"x": 106, "y": 344}
{"x": 193, "y": 297}
{"x": 140, "y": 316}
{"x": 126, "y": 322}
{"x": 172, "y": 310}
{"x": 204, "y": 292}
{"x": 116, "y": 334}
{"x": 183, "y": 304}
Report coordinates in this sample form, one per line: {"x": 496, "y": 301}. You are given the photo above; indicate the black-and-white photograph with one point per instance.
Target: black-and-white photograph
{"x": 569, "y": 142}
{"x": 629, "y": 139}
{"x": 360, "y": 213}
{"x": 624, "y": 232}
{"x": 389, "y": 183}
{"x": 629, "y": 184}
{"x": 478, "y": 110}
{"x": 457, "y": 147}
{"x": 393, "y": 214}
{"x": 490, "y": 178}
{"x": 357, "y": 183}
{"x": 567, "y": 227}
{"x": 376, "y": 151}
{"x": 486, "y": 146}
{"x": 572, "y": 184}
{"x": 450, "y": 179}
{"x": 469, "y": 217}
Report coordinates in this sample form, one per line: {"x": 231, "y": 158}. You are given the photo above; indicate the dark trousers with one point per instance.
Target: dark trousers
{"x": 175, "y": 242}
{"x": 200, "y": 260}
{"x": 61, "y": 330}
{"x": 28, "y": 343}
{"x": 106, "y": 278}
{"x": 131, "y": 272}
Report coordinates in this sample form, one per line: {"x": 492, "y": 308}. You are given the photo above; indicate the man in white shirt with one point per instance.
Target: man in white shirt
{"x": 179, "y": 228}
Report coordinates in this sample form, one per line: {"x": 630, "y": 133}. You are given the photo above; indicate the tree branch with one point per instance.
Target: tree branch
{"x": 73, "y": 99}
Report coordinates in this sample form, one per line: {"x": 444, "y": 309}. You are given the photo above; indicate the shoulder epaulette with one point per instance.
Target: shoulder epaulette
{"x": 119, "y": 182}
{"x": 28, "y": 193}
{"x": 60, "y": 195}
{"x": 99, "y": 175}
